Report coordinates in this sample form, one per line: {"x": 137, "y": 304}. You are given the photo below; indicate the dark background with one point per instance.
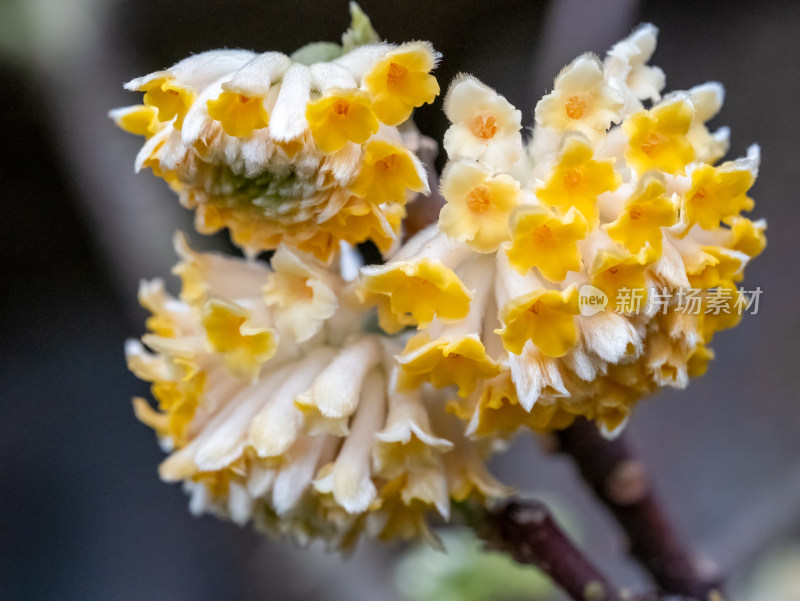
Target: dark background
{"x": 82, "y": 513}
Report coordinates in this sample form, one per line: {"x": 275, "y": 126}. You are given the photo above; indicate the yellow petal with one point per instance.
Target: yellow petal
{"x": 546, "y": 241}
{"x": 546, "y": 317}
{"x": 341, "y": 116}
{"x": 239, "y": 115}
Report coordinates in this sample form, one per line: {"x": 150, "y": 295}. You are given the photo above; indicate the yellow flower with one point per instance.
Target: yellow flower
{"x": 546, "y": 241}
{"x": 496, "y": 411}
{"x": 719, "y": 310}
{"x": 387, "y": 171}
{"x": 422, "y": 289}
{"x": 716, "y": 265}
{"x": 170, "y": 99}
{"x": 579, "y": 179}
{"x": 545, "y": 317}
{"x": 401, "y": 81}
{"x": 717, "y": 193}
{"x": 229, "y": 332}
{"x": 657, "y": 138}
{"x": 341, "y": 116}
{"x": 462, "y": 362}
{"x": 479, "y": 204}
{"x": 614, "y": 270}
{"x": 139, "y": 120}
{"x": 361, "y": 219}
{"x": 581, "y": 99}
{"x": 643, "y": 217}
{"x": 747, "y": 236}
{"x": 239, "y": 115}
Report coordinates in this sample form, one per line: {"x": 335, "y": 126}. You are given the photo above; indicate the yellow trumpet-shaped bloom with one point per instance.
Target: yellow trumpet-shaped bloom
{"x": 643, "y": 217}
{"x": 748, "y": 236}
{"x": 479, "y": 205}
{"x": 614, "y": 270}
{"x": 719, "y": 310}
{"x": 717, "y": 193}
{"x": 716, "y": 266}
{"x": 546, "y": 241}
{"x": 402, "y": 81}
{"x": 423, "y": 289}
{"x": 462, "y": 362}
{"x": 579, "y": 179}
{"x": 245, "y": 347}
{"x": 339, "y": 117}
{"x": 139, "y": 120}
{"x": 387, "y": 172}
{"x": 360, "y": 219}
{"x": 546, "y": 317}
{"x": 239, "y": 115}
{"x": 171, "y": 100}
{"x": 657, "y": 137}
{"x": 495, "y": 411}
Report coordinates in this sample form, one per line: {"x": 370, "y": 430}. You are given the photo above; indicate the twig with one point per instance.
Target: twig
{"x": 527, "y": 531}
{"x": 620, "y": 482}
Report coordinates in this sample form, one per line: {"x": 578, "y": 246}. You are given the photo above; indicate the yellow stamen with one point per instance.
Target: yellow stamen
{"x": 575, "y": 107}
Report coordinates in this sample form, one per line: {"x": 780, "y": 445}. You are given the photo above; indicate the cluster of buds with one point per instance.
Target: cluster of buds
{"x": 281, "y": 403}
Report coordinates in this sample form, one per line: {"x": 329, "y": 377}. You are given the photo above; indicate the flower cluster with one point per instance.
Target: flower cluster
{"x": 278, "y": 150}
{"x": 278, "y": 408}
{"x": 608, "y": 194}
{"x": 277, "y": 398}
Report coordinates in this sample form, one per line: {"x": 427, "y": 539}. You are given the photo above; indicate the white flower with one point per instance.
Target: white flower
{"x": 485, "y": 126}
{"x": 626, "y": 68}
{"x": 581, "y": 100}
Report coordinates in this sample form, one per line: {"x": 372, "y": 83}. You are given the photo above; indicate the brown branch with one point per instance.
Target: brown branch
{"x": 620, "y": 482}
{"x": 526, "y": 530}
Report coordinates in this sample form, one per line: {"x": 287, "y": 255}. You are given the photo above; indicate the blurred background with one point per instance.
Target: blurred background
{"x": 82, "y": 512}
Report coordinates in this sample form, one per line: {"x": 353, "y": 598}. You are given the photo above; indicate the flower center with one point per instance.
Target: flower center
{"x": 484, "y": 128}
{"x": 479, "y": 200}
{"x": 300, "y": 289}
{"x": 543, "y": 233}
{"x": 572, "y": 178}
{"x": 396, "y": 75}
{"x": 534, "y": 308}
{"x": 636, "y": 212}
{"x": 575, "y": 107}
{"x": 386, "y": 164}
{"x": 651, "y": 143}
{"x": 700, "y": 195}
{"x": 341, "y": 107}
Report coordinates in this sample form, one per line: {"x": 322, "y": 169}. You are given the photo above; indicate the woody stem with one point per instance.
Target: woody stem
{"x": 619, "y": 480}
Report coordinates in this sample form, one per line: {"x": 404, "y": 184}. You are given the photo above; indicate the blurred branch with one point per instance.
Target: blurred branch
{"x": 619, "y": 480}
{"x": 526, "y": 530}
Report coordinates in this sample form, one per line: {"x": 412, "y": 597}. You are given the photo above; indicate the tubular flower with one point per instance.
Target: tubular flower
{"x": 273, "y": 147}
{"x": 401, "y": 80}
{"x": 485, "y": 125}
{"x": 581, "y": 100}
{"x": 578, "y": 180}
{"x": 277, "y": 408}
{"x": 584, "y": 266}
